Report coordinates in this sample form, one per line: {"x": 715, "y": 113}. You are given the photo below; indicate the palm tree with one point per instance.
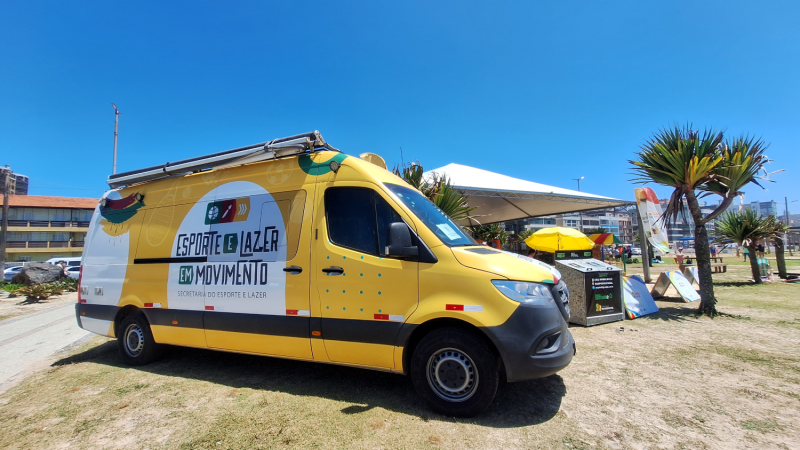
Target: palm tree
{"x": 524, "y": 234}
{"x": 438, "y": 190}
{"x": 747, "y": 229}
{"x": 777, "y": 239}
{"x": 695, "y": 163}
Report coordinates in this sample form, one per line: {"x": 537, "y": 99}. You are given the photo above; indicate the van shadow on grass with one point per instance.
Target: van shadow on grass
{"x": 516, "y": 405}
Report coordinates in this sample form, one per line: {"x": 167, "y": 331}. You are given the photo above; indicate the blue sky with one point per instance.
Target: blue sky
{"x": 546, "y": 91}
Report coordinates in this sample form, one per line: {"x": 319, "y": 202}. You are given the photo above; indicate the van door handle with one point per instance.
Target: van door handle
{"x": 293, "y": 270}
{"x": 333, "y": 269}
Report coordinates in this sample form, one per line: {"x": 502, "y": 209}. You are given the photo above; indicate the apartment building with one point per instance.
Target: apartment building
{"x": 44, "y": 227}
{"x": 612, "y": 220}
{"x": 765, "y": 209}
{"x": 17, "y": 183}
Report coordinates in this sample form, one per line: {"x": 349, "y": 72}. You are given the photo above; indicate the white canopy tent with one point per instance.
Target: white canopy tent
{"x": 500, "y": 198}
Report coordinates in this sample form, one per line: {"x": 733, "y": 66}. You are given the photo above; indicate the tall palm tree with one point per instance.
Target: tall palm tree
{"x": 699, "y": 164}
{"x": 747, "y": 229}
{"x": 438, "y": 190}
{"x": 777, "y": 239}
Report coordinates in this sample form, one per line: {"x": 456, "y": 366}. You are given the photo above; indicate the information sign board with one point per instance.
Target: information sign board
{"x": 679, "y": 282}
{"x": 604, "y": 293}
{"x": 638, "y": 301}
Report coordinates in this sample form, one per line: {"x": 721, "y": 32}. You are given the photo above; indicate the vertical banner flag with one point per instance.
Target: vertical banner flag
{"x": 650, "y": 218}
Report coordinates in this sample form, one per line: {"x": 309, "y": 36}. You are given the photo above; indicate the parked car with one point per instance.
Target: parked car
{"x": 74, "y": 271}
{"x": 71, "y": 262}
{"x": 9, "y": 273}
{"x": 636, "y": 251}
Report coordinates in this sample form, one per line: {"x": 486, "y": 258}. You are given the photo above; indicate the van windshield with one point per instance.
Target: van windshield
{"x": 433, "y": 217}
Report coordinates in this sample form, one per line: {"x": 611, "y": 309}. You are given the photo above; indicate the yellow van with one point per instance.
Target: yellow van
{"x": 293, "y": 249}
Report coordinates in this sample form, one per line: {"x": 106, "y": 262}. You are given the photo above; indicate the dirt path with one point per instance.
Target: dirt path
{"x": 29, "y": 343}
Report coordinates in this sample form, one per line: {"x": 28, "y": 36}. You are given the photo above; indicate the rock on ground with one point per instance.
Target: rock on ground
{"x": 38, "y": 273}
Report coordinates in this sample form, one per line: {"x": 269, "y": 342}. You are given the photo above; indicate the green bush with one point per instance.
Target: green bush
{"x": 12, "y": 289}
{"x": 36, "y": 292}
{"x": 66, "y": 285}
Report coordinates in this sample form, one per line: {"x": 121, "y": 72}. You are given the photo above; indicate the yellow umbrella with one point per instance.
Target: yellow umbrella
{"x": 559, "y": 238}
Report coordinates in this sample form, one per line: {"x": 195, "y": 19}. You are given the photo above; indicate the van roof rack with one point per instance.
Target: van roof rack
{"x": 276, "y": 148}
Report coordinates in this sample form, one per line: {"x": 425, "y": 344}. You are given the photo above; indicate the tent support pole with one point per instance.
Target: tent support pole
{"x": 645, "y": 253}
{"x": 515, "y": 206}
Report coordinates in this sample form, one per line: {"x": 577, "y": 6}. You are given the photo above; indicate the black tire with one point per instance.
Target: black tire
{"x": 135, "y": 341}
{"x": 455, "y": 372}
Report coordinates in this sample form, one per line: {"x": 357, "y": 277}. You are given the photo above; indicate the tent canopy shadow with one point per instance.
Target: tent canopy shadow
{"x": 517, "y": 404}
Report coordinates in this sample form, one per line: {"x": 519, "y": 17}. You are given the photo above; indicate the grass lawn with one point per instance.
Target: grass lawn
{"x": 668, "y": 380}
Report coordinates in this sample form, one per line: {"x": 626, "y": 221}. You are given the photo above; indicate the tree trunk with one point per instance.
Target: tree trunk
{"x": 708, "y": 302}
{"x": 779, "y": 256}
{"x": 754, "y": 262}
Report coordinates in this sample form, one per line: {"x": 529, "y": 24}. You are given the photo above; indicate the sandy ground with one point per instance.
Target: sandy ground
{"x": 665, "y": 381}
{"x": 11, "y": 307}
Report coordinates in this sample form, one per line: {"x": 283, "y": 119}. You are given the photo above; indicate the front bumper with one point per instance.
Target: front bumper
{"x": 534, "y": 342}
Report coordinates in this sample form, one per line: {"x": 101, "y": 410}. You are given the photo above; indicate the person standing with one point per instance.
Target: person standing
{"x": 713, "y": 251}
{"x": 760, "y": 249}
{"x": 746, "y": 253}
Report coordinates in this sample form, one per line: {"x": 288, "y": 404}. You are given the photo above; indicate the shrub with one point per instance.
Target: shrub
{"x": 36, "y": 292}
{"x": 66, "y": 285}
{"x": 12, "y": 289}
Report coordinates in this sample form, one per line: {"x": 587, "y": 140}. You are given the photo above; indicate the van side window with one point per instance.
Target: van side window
{"x": 359, "y": 219}
{"x": 385, "y": 216}
{"x": 351, "y": 218}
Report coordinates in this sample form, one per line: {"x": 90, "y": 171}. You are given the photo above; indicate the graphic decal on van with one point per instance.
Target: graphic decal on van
{"x": 323, "y": 167}
{"x": 234, "y": 249}
{"x": 120, "y": 210}
{"x": 220, "y": 212}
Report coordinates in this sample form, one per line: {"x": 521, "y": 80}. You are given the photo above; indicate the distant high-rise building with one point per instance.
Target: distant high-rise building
{"x": 17, "y": 184}
{"x": 765, "y": 209}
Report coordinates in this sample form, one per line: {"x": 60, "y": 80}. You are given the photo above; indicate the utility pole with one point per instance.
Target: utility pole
{"x": 116, "y": 128}
{"x": 4, "y": 225}
{"x": 580, "y": 225}
{"x": 787, "y": 235}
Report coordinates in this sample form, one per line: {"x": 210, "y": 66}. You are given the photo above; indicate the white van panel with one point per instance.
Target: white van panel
{"x": 98, "y": 326}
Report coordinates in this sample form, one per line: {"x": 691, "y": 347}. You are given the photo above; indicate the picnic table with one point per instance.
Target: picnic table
{"x": 718, "y": 267}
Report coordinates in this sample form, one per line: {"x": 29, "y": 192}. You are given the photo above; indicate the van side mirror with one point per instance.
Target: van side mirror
{"x": 398, "y": 242}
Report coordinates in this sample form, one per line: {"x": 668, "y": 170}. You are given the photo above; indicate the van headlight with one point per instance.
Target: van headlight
{"x": 525, "y": 292}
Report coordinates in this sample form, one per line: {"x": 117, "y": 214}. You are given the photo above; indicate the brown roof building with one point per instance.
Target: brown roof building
{"x": 43, "y": 227}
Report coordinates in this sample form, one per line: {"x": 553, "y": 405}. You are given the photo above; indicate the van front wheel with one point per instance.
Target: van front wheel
{"x": 455, "y": 372}
{"x": 135, "y": 341}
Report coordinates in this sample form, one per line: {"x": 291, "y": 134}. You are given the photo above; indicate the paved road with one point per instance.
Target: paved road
{"x": 28, "y": 343}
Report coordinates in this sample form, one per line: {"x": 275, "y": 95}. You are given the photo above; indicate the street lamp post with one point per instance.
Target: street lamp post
{"x": 580, "y": 214}
{"x": 116, "y": 128}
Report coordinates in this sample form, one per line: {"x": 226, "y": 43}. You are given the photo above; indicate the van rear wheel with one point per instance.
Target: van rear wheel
{"x": 455, "y": 372}
{"x": 135, "y": 341}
